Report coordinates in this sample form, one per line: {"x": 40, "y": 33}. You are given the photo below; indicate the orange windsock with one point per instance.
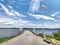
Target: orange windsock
{"x": 43, "y": 6}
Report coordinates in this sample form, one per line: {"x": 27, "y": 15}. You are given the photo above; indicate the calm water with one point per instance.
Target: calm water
{"x": 9, "y": 32}
{"x": 46, "y": 31}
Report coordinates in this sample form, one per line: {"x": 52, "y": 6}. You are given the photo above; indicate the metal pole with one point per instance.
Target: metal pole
{"x": 34, "y": 29}
{"x": 43, "y": 6}
{"x": 43, "y": 28}
{"x": 20, "y": 29}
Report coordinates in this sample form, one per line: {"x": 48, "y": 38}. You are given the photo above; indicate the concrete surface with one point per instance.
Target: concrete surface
{"x": 27, "y": 38}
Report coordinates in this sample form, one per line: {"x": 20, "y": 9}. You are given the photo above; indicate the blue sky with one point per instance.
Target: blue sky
{"x": 22, "y": 12}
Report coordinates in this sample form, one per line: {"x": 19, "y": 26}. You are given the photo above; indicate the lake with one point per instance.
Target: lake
{"x": 49, "y": 32}
{"x": 6, "y": 32}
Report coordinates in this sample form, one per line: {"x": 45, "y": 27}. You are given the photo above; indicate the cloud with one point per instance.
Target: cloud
{"x": 34, "y": 6}
{"x": 12, "y": 1}
{"x": 17, "y": 13}
{"x": 9, "y": 6}
{"x": 20, "y": 21}
{"x": 41, "y": 16}
{"x": 1, "y": 21}
{"x": 54, "y": 14}
{"x": 31, "y": 25}
{"x": 2, "y": 0}
{"x": 51, "y": 26}
{"x": 6, "y": 10}
{"x": 11, "y": 12}
{"x": 6, "y": 21}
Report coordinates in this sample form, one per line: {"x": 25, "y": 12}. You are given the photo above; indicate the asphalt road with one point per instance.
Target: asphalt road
{"x": 27, "y": 38}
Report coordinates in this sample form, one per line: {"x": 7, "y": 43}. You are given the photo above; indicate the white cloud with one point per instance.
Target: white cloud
{"x": 1, "y": 21}
{"x": 6, "y": 21}
{"x": 10, "y": 22}
{"x": 17, "y": 13}
{"x": 12, "y": 1}
{"x": 48, "y": 24}
{"x": 6, "y": 10}
{"x": 11, "y": 12}
{"x": 51, "y": 26}
{"x": 54, "y": 14}
{"x": 10, "y": 6}
{"x": 41, "y": 16}
{"x": 2, "y": 0}
{"x": 35, "y": 5}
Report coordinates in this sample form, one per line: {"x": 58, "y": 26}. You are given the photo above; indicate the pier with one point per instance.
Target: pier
{"x": 27, "y": 38}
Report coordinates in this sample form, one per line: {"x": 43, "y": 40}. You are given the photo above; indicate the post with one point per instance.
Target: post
{"x": 20, "y": 29}
{"x": 43, "y": 6}
{"x": 33, "y": 29}
{"x": 43, "y": 28}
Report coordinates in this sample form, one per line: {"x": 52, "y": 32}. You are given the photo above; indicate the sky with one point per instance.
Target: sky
{"x": 30, "y": 13}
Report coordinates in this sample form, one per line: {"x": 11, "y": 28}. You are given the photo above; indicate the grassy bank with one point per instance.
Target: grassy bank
{"x": 5, "y": 39}
{"x": 54, "y": 38}
{"x": 8, "y": 38}
{"x": 55, "y": 35}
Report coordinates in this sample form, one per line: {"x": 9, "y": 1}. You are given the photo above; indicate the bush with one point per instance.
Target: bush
{"x": 49, "y": 36}
{"x": 56, "y": 35}
{"x": 41, "y": 35}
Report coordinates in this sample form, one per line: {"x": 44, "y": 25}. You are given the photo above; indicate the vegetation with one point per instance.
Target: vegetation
{"x": 41, "y": 35}
{"x": 56, "y": 35}
{"x": 4, "y": 39}
{"x": 49, "y": 36}
{"x": 8, "y": 38}
{"x": 54, "y": 38}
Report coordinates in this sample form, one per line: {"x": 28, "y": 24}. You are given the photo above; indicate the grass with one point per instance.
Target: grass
{"x": 4, "y": 39}
{"x": 41, "y": 35}
{"x": 8, "y": 38}
{"x": 55, "y": 37}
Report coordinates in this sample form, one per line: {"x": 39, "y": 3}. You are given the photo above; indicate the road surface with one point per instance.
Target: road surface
{"x": 27, "y": 38}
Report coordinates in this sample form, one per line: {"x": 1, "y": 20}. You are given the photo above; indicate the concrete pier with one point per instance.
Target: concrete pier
{"x": 27, "y": 38}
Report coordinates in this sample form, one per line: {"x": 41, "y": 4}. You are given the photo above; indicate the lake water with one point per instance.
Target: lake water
{"x": 5, "y": 32}
{"x": 8, "y": 32}
{"x": 48, "y": 32}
